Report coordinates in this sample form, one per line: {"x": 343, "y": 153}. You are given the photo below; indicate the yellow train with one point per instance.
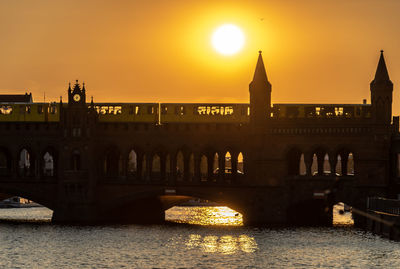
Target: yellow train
{"x": 181, "y": 112}
{"x": 321, "y": 111}
{"x": 127, "y": 112}
{"x": 204, "y": 113}
{"x": 33, "y": 112}
{"x": 172, "y": 112}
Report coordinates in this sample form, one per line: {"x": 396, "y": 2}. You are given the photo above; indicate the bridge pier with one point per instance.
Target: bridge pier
{"x": 308, "y": 213}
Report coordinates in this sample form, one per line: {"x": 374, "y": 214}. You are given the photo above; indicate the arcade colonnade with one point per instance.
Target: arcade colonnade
{"x": 181, "y": 165}
{"x": 320, "y": 161}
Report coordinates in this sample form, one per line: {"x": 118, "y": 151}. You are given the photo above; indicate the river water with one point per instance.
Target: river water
{"x": 195, "y": 237}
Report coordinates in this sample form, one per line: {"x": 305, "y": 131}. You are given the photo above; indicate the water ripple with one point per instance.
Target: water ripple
{"x": 43, "y": 245}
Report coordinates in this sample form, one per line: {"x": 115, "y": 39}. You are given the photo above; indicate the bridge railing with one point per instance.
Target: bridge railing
{"x": 379, "y": 204}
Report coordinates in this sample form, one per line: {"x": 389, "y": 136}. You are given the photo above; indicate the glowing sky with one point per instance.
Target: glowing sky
{"x": 144, "y": 51}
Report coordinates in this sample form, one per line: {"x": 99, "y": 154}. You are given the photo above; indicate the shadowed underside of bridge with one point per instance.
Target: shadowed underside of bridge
{"x": 44, "y": 193}
{"x": 147, "y": 204}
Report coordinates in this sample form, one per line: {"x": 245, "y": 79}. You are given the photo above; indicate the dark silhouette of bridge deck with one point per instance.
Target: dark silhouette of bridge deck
{"x": 129, "y": 162}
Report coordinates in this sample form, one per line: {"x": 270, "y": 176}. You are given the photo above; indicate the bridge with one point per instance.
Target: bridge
{"x": 129, "y": 162}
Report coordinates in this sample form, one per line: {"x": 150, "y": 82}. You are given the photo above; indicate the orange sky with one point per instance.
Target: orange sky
{"x": 145, "y": 51}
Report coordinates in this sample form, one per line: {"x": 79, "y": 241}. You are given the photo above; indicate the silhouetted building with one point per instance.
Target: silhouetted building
{"x": 129, "y": 162}
{"x": 16, "y": 98}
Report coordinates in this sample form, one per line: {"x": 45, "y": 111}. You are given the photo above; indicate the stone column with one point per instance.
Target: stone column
{"x": 345, "y": 157}
{"x": 197, "y": 160}
{"x": 234, "y": 158}
{"x": 221, "y": 163}
{"x": 320, "y": 161}
{"x": 173, "y": 172}
{"x": 333, "y": 162}
{"x": 308, "y": 159}
{"x": 210, "y": 163}
{"x": 162, "y": 167}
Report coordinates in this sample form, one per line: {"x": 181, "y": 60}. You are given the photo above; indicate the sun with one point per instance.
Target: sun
{"x": 228, "y": 39}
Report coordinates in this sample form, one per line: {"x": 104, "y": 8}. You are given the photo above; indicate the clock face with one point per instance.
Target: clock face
{"x": 77, "y": 97}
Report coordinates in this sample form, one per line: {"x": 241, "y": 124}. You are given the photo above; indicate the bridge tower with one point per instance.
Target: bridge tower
{"x": 77, "y": 171}
{"x": 260, "y": 94}
{"x": 76, "y": 115}
{"x": 381, "y": 94}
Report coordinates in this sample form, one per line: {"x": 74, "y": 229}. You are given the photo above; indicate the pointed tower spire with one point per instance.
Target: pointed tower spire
{"x": 260, "y": 74}
{"x": 381, "y": 71}
{"x": 260, "y": 94}
{"x": 381, "y": 93}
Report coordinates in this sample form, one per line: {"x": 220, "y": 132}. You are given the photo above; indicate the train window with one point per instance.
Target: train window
{"x": 103, "y": 110}
{"x": 348, "y": 112}
{"x": 137, "y": 110}
{"x": 53, "y": 109}
{"x": 150, "y": 110}
{"x": 318, "y": 111}
{"x": 40, "y": 109}
{"x": 213, "y": 110}
{"x": 200, "y": 110}
{"x": 21, "y": 109}
{"x": 329, "y": 111}
{"x": 117, "y": 110}
{"x": 134, "y": 110}
{"x": 358, "y": 111}
{"x": 228, "y": 110}
{"x": 28, "y": 109}
{"x": 6, "y": 110}
{"x": 338, "y": 111}
{"x": 164, "y": 109}
{"x": 180, "y": 110}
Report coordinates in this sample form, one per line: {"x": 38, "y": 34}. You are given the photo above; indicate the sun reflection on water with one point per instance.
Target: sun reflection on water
{"x": 212, "y": 215}
{"x": 226, "y": 244}
{"x": 204, "y": 215}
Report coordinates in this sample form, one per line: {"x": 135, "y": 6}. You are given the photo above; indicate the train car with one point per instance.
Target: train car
{"x": 31, "y": 112}
{"x": 204, "y": 113}
{"x": 350, "y": 111}
{"x": 127, "y": 112}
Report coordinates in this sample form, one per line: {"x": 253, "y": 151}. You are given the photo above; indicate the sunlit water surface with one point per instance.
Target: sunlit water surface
{"x": 40, "y": 244}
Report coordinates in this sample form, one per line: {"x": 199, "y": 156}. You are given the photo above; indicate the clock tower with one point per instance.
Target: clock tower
{"x": 77, "y": 96}
{"x": 76, "y": 113}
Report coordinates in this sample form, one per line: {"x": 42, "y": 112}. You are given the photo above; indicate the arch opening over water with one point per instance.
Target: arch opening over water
{"x": 20, "y": 209}
{"x": 203, "y": 168}
{"x": 196, "y": 211}
{"x": 342, "y": 215}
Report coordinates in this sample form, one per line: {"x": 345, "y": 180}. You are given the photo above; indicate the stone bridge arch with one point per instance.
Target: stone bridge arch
{"x": 144, "y": 204}
{"x": 46, "y": 194}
